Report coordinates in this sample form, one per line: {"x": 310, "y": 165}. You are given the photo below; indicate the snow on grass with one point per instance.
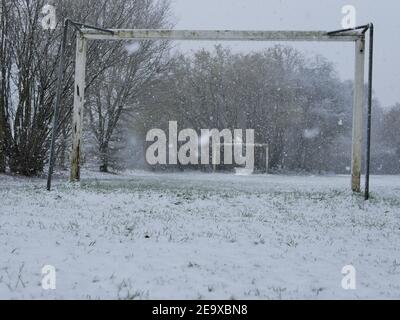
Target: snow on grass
{"x": 199, "y": 236}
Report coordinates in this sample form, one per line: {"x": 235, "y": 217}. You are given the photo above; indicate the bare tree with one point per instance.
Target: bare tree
{"x": 29, "y": 58}
{"x": 391, "y": 137}
{"x": 133, "y": 67}
{"x": 5, "y": 66}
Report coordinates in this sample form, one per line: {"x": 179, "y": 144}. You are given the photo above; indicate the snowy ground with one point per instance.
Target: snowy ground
{"x": 199, "y": 236}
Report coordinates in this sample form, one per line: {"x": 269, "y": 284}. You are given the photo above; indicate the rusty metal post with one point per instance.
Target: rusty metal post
{"x": 369, "y": 124}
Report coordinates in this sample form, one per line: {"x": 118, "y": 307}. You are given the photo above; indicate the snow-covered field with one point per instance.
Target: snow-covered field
{"x": 199, "y": 236}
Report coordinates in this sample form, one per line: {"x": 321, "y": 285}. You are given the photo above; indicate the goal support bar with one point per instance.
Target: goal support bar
{"x": 87, "y": 33}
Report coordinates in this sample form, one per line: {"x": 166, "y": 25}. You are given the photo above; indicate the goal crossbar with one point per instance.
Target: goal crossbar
{"x": 215, "y": 35}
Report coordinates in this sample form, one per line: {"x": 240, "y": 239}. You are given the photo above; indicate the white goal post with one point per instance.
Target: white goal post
{"x": 87, "y": 33}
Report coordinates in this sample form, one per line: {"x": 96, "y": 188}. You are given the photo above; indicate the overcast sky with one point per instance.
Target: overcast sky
{"x": 305, "y": 15}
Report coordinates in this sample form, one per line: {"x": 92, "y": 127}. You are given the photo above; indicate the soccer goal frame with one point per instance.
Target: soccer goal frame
{"x": 87, "y": 33}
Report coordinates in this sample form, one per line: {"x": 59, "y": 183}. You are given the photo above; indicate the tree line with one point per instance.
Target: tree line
{"x": 295, "y": 103}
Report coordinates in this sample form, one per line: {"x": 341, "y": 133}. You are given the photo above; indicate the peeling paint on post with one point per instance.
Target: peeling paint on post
{"x": 358, "y": 115}
{"x": 79, "y": 100}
